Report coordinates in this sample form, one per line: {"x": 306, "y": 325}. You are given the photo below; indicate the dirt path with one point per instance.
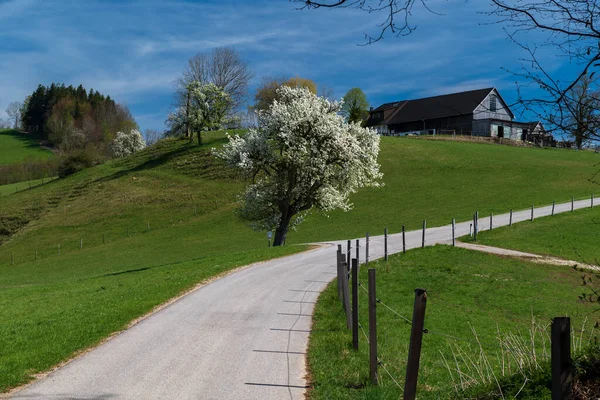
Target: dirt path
{"x": 536, "y": 258}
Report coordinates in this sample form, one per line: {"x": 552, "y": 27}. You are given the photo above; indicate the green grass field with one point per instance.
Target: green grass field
{"x": 572, "y": 236}
{"x": 58, "y": 304}
{"x": 5, "y": 190}
{"x": 16, "y": 147}
{"x": 464, "y": 289}
{"x": 437, "y": 181}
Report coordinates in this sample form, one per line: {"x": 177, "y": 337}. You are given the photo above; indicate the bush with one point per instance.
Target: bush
{"x": 77, "y": 160}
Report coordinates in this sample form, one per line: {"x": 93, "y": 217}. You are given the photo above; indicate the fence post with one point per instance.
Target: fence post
{"x": 355, "y": 303}
{"x": 367, "y": 248}
{"x": 510, "y": 220}
{"x": 572, "y": 203}
{"x": 357, "y": 249}
{"x": 471, "y": 230}
{"x": 403, "y": 240}
{"x": 385, "y": 240}
{"x": 562, "y": 368}
{"x": 592, "y": 205}
{"x": 416, "y": 340}
{"x": 373, "y": 326}
{"x": 475, "y": 227}
{"x": 453, "y": 234}
{"x": 491, "y": 221}
{"x": 348, "y": 255}
{"x": 339, "y": 271}
{"x": 553, "y": 205}
{"x": 423, "y": 240}
{"x": 532, "y": 212}
{"x": 346, "y": 295}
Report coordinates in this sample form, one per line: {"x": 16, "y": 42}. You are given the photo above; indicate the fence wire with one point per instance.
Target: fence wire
{"x": 380, "y": 363}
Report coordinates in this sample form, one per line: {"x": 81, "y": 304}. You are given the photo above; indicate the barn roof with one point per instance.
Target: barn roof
{"x": 435, "y": 107}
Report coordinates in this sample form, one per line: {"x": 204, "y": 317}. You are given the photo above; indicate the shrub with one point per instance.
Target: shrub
{"x": 76, "y": 160}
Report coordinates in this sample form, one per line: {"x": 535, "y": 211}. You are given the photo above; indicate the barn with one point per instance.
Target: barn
{"x": 481, "y": 112}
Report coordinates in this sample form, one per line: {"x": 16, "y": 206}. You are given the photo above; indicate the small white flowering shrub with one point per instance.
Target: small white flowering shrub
{"x": 125, "y": 144}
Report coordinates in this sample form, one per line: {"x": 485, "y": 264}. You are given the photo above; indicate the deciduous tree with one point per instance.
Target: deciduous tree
{"x": 356, "y": 106}
{"x": 126, "y": 144}
{"x": 205, "y": 109}
{"x": 14, "y": 113}
{"x": 302, "y": 155}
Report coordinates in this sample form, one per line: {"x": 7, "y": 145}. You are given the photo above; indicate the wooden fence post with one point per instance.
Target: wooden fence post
{"x": 423, "y": 239}
{"x": 346, "y": 296}
{"x": 572, "y": 203}
{"x": 339, "y": 271}
{"x": 357, "y": 249}
{"x": 475, "y": 227}
{"x": 373, "y": 364}
{"x": 553, "y": 205}
{"x": 416, "y": 340}
{"x": 562, "y": 368}
{"x": 453, "y": 232}
{"x": 471, "y": 229}
{"x": 592, "y": 205}
{"x": 355, "y": 303}
{"x": 403, "y": 240}
{"x": 510, "y": 220}
{"x": 348, "y": 254}
{"x": 532, "y": 212}
{"x": 385, "y": 247}
{"x": 367, "y": 248}
{"x": 491, "y": 221}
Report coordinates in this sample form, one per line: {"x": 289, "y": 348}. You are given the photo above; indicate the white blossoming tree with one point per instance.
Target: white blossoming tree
{"x": 302, "y": 155}
{"x": 125, "y": 144}
{"x": 205, "y": 108}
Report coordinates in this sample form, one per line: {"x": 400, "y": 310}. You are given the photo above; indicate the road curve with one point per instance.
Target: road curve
{"x": 240, "y": 337}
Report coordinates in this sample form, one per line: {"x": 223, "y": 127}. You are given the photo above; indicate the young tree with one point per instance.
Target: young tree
{"x": 125, "y": 144}
{"x": 302, "y": 155}
{"x": 206, "y": 108}
{"x": 14, "y": 113}
{"x": 356, "y": 106}
{"x": 152, "y": 136}
{"x": 581, "y": 113}
{"x": 223, "y": 67}
{"x": 267, "y": 91}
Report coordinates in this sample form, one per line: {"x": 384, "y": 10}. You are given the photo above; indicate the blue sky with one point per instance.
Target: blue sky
{"x": 134, "y": 50}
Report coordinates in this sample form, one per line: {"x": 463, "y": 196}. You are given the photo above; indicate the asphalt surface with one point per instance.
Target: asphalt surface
{"x": 240, "y": 337}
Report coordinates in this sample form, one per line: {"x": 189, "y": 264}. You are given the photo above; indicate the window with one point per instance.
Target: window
{"x": 493, "y": 106}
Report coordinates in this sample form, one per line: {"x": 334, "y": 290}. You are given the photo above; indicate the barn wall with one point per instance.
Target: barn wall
{"x": 482, "y": 111}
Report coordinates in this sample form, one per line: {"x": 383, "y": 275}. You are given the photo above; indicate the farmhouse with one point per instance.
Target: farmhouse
{"x": 481, "y": 112}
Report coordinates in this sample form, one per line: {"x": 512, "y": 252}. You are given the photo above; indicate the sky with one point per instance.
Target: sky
{"x": 135, "y": 50}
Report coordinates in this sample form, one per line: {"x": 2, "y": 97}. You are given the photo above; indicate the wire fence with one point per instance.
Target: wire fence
{"x": 510, "y": 348}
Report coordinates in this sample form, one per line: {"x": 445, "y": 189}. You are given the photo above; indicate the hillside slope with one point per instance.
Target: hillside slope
{"x": 93, "y": 251}
{"x": 17, "y": 147}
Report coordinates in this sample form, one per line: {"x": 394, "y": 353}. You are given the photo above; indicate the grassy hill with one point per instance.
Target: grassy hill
{"x": 16, "y": 147}
{"x": 135, "y": 232}
{"x": 438, "y": 180}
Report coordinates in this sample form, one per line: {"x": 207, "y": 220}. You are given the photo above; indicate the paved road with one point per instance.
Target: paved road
{"x": 240, "y": 337}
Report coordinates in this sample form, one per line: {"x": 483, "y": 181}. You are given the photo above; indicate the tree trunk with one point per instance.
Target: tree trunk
{"x": 282, "y": 229}
{"x": 199, "y": 138}
{"x": 187, "y": 117}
